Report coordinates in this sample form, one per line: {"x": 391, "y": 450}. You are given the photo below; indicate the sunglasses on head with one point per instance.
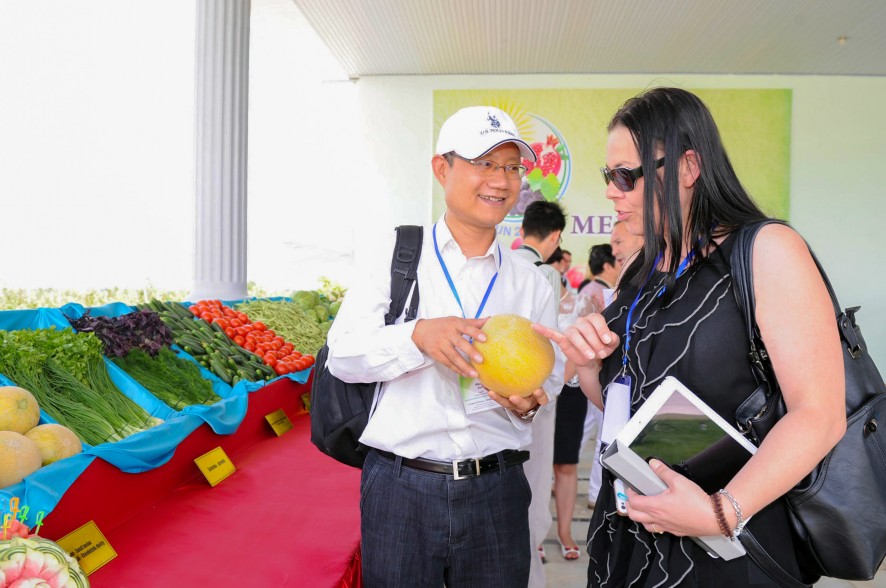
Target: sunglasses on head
{"x": 624, "y": 177}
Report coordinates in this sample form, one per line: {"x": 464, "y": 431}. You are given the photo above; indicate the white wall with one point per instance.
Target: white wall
{"x": 838, "y": 151}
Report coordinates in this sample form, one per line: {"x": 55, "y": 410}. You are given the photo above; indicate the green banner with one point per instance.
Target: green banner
{"x": 567, "y": 128}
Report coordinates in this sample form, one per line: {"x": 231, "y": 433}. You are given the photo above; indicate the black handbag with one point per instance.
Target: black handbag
{"x": 838, "y": 512}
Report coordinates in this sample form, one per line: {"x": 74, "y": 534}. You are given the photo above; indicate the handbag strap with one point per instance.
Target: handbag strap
{"x": 743, "y": 288}
{"x": 765, "y": 562}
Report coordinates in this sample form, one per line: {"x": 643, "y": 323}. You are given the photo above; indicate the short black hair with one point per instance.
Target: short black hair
{"x": 543, "y": 218}
{"x": 556, "y": 257}
{"x": 598, "y": 256}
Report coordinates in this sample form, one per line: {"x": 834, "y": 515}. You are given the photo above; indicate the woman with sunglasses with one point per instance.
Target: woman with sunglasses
{"x": 670, "y": 180}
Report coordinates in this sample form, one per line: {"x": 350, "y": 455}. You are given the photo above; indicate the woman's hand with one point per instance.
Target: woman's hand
{"x": 587, "y": 340}
{"x": 683, "y": 509}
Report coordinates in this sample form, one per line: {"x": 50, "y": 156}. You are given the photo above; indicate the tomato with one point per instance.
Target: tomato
{"x": 223, "y": 323}
{"x": 310, "y": 359}
{"x": 248, "y": 327}
{"x": 249, "y": 346}
{"x": 269, "y": 359}
{"x": 298, "y": 365}
{"x": 242, "y": 316}
{"x": 280, "y": 369}
{"x": 239, "y": 340}
{"x": 229, "y": 312}
{"x": 230, "y": 332}
{"x": 194, "y": 309}
{"x": 259, "y": 326}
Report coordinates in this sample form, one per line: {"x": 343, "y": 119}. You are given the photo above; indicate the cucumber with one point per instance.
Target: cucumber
{"x": 194, "y": 350}
{"x": 220, "y": 370}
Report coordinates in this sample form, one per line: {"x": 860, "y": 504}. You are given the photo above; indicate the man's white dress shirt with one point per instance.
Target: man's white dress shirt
{"x": 419, "y": 410}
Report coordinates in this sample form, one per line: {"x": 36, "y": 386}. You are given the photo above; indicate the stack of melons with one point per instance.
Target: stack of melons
{"x": 26, "y": 446}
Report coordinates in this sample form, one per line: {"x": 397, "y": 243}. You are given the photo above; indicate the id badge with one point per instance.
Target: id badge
{"x": 617, "y": 410}
{"x": 475, "y": 396}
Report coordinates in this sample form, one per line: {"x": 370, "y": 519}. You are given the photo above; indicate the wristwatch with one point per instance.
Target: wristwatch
{"x": 528, "y": 415}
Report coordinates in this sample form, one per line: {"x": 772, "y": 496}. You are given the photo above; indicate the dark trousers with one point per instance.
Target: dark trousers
{"x": 423, "y": 529}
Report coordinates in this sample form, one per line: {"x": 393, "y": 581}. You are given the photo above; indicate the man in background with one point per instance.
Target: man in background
{"x": 543, "y": 224}
{"x": 604, "y": 274}
{"x": 624, "y": 244}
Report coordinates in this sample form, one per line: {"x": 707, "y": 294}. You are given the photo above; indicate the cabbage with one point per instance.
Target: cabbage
{"x": 306, "y": 298}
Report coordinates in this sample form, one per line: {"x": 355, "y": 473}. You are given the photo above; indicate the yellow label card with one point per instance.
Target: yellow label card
{"x": 89, "y": 547}
{"x": 215, "y": 465}
{"x": 279, "y": 421}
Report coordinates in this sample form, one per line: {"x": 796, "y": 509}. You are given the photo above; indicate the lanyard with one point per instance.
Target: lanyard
{"x": 680, "y": 270}
{"x": 452, "y": 284}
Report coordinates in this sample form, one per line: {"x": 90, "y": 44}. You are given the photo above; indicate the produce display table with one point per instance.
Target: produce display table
{"x": 289, "y": 516}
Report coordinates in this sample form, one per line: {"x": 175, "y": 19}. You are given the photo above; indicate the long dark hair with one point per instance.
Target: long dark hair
{"x": 675, "y": 121}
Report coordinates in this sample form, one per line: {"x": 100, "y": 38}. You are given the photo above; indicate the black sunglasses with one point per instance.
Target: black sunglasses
{"x": 624, "y": 177}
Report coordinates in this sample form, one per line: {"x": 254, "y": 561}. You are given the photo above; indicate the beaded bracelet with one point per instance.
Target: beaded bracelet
{"x": 740, "y": 521}
{"x": 720, "y": 515}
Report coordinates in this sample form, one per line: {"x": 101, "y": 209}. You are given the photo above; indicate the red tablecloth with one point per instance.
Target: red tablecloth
{"x": 289, "y": 516}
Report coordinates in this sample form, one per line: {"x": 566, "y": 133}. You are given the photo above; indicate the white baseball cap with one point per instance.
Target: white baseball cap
{"x": 476, "y": 130}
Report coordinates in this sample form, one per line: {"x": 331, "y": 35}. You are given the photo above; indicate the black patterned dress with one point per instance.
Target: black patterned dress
{"x": 697, "y": 337}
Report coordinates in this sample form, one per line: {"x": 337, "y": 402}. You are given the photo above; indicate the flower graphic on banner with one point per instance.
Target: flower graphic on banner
{"x": 548, "y": 177}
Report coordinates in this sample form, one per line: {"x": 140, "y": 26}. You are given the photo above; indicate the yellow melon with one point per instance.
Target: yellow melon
{"x": 19, "y": 457}
{"x": 55, "y": 442}
{"x": 18, "y": 410}
{"x": 516, "y": 359}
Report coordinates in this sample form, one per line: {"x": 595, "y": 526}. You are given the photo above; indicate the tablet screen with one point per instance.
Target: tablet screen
{"x": 680, "y": 434}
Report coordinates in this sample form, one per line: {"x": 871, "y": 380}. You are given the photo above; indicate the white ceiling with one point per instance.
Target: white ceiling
{"x": 434, "y": 37}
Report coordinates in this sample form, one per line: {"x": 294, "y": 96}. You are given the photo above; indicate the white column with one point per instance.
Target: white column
{"x": 221, "y": 109}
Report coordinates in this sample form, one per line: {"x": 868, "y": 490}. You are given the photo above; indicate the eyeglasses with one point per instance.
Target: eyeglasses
{"x": 484, "y": 167}
{"x": 624, "y": 177}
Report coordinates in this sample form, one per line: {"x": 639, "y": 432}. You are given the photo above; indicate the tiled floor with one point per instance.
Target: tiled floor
{"x": 573, "y": 574}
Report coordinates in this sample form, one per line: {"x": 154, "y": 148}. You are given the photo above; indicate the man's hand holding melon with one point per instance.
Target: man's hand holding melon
{"x": 515, "y": 362}
{"x": 507, "y": 356}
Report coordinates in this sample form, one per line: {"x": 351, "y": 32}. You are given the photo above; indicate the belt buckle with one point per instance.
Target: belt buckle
{"x": 455, "y": 473}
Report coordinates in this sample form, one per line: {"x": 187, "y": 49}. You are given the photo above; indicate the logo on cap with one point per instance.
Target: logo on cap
{"x": 493, "y": 121}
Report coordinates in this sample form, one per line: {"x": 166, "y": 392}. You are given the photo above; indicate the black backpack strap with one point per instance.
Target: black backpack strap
{"x": 404, "y": 272}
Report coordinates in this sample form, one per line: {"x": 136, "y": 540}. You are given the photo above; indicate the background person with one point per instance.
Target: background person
{"x": 419, "y": 525}
{"x": 670, "y": 180}
{"x": 604, "y": 274}
{"x": 624, "y": 244}
{"x": 543, "y": 224}
{"x": 603, "y": 268}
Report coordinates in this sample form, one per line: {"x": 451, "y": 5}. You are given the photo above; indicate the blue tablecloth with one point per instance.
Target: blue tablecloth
{"x": 140, "y": 452}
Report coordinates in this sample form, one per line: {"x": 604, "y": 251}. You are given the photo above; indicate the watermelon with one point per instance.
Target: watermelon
{"x": 38, "y": 563}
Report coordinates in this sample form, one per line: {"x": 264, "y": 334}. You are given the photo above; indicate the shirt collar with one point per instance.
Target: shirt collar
{"x": 445, "y": 240}
{"x": 533, "y": 249}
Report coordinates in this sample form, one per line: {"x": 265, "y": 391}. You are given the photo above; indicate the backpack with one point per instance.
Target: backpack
{"x": 340, "y": 410}
{"x": 838, "y": 512}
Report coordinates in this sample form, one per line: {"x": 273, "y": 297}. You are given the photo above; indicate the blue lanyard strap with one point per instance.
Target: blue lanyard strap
{"x": 680, "y": 270}
{"x": 452, "y": 284}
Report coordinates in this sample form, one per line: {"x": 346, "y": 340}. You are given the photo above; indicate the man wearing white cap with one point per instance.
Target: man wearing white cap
{"x": 444, "y": 498}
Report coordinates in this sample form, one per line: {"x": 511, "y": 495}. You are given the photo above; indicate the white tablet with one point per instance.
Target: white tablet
{"x": 675, "y": 426}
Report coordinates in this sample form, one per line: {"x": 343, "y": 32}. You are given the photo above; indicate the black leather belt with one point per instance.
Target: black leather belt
{"x": 464, "y": 468}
